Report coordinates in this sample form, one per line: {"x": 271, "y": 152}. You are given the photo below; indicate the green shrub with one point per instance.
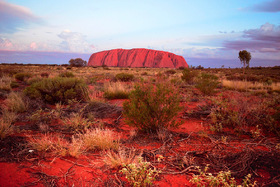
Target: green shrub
{"x": 5, "y": 83}
{"x": 116, "y": 95}
{"x": 140, "y": 174}
{"x": 33, "y": 80}
{"x": 45, "y": 75}
{"x": 22, "y": 76}
{"x": 223, "y": 178}
{"x": 14, "y": 84}
{"x": 76, "y": 123}
{"x": 240, "y": 113}
{"x": 188, "y": 75}
{"x": 152, "y": 107}
{"x": 66, "y": 74}
{"x": 124, "y": 77}
{"x": 15, "y": 102}
{"x": 207, "y": 83}
{"x": 59, "y": 89}
{"x": 170, "y": 72}
{"x": 6, "y": 129}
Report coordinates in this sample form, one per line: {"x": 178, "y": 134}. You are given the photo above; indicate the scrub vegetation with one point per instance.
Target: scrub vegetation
{"x": 74, "y": 125}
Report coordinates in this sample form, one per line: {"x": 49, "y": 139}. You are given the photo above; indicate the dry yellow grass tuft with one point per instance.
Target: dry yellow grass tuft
{"x": 99, "y": 139}
{"x": 246, "y": 85}
{"x": 6, "y": 129}
{"x": 117, "y": 90}
{"x": 121, "y": 157}
{"x": 5, "y": 82}
{"x": 15, "y": 102}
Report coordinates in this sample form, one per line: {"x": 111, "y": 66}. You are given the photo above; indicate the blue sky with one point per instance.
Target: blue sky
{"x": 207, "y": 33}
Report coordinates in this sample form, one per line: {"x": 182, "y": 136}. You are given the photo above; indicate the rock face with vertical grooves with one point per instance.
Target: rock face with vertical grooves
{"x": 137, "y": 58}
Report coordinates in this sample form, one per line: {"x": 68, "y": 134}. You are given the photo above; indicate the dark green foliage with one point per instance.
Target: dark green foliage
{"x": 45, "y": 75}
{"x": 238, "y": 112}
{"x": 124, "y": 77}
{"x": 244, "y": 57}
{"x": 66, "y": 74}
{"x": 78, "y": 62}
{"x": 207, "y": 83}
{"x": 14, "y": 84}
{"x": 170, "y": 72}
{"x": 152, "y": 107}
{"x": 59, "y": 89}
{"x": 188, "y": 75}
{"x": 116, "y": 95}
{"x": 144, "y": 73}
{"x": 22, "y": 76}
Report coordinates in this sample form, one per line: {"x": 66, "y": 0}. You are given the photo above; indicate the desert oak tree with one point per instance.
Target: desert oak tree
{"x": 244, "y": 57}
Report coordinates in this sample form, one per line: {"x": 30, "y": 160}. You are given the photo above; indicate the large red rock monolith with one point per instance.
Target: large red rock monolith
{"x": 137, "y": 58}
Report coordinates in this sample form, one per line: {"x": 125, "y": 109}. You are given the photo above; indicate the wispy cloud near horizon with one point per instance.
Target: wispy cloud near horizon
{"x": 13, "y": 17}
{"x": 268, "y": 6}
{"x": 264, "y": 39}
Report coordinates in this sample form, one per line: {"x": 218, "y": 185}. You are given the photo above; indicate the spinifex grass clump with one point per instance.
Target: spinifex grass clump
{"x": 207, "y": 83}
{"x": 6, "y": 129}
{"x": 238, "y": 112}
{"x": 5, "y": 83}
{"x": 59, "y": 89}
{"x": 124, "y": 77}
{"x": 22, "y": 76}
{"x": 66, "y": 74}
{"x": 116, "y": 90}
{"x": 188, "y": 75}
{"x": 15, "y": 102}
{"x": 152, "y": 107}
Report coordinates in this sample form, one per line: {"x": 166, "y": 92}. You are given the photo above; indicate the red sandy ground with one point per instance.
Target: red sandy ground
{"x": 90, "y": 170}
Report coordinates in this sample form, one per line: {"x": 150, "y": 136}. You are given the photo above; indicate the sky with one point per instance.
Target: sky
{"x": 207, "y": 33}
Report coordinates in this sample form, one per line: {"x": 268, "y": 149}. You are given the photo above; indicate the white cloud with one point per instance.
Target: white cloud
{"x": 75, "y": 42}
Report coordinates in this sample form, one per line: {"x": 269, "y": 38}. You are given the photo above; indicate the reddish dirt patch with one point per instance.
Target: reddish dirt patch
{"x": 15, "y": 174}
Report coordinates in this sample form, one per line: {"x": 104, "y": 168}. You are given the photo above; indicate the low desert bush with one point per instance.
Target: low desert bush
{"x": 170, "y": 72}
{"x": 45, "y": 75}
{"x": 116, "y": 90}
{"x": 66, "y": 74}
{"x": 124, "y": 77}
{"x": 52, "y": 144}
{"x": 223, "y": 178}
{"x": 8, "y": 116}
{"x": 207, "y": 83}
{"x": 15, "y": 102}
{"x": 22, "y": 76}
{"x": 99, "y": 139}
{"x": 120, "y": 157}
{"x": 5, "y": 83}
{"x": 140, "y": 174}
{"x": 59, "y": 89}
{"x": 188, "y": 75}
{"x": 41, "y": 116}
{"x": 151, "y": 107}
{"x": 14, "y": 84}
{"x": 6, "y": 129}
{"x": 76, "y": 123}
{"x": 238, "y": 112}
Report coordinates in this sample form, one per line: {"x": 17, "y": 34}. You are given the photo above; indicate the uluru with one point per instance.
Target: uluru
{"x": 137, "y": 58}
